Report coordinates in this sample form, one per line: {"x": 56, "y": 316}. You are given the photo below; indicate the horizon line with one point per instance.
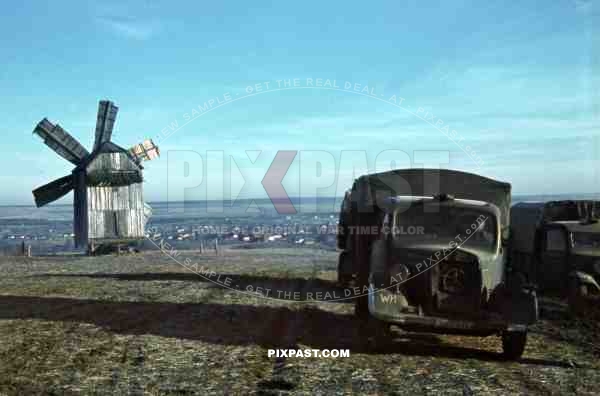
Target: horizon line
{"x": 291, "y": 198}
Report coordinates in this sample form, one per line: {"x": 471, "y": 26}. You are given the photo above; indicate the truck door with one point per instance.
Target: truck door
{"x": 553, "y": 270}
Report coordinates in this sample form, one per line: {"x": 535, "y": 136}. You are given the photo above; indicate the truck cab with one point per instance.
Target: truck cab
{"x": 450, "y": 278}
{"x": 450, "y": 266}
{"x": 570, "y": 250}
{"x": 435, "y": 256}
{"x": 558, "y": 247}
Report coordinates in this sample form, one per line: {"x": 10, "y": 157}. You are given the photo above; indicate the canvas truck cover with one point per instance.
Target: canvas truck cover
{"x": 373, "y": 189}
{"x": 527, "y": 217}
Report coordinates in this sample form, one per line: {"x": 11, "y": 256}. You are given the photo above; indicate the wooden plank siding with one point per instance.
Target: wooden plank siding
{"x": 114, "y": 162}
{"x": 116, "y": 212}
{"x": 116, "y": 198}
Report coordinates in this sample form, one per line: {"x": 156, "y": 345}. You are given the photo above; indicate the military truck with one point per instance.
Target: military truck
{"x": 556, "y": 246}
{"x": 450, "y": 278}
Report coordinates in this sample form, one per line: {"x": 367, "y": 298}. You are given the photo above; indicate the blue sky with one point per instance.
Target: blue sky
{"x": 519, "y": 84}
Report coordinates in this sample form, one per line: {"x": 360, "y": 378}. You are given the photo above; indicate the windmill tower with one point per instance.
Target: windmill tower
{"x": 108, "y": 196}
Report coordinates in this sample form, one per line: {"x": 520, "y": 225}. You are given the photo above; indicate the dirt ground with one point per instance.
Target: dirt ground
{"x": 143, "y": 324}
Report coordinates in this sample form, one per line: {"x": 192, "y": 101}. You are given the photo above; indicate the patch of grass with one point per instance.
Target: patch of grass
{"x": 144, "y": 324}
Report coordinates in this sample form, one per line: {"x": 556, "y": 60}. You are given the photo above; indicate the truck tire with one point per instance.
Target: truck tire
{"x": 578, "y": 293}
{"x": 374, "y": 334}
{"x": 513, "y": 344}
{"x": 361, "y": 307}
{"x": 344, "y": 279}
{"x": 344, "y": 274}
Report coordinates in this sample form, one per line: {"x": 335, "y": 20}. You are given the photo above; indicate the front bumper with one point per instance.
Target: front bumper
{"x": 387, "y": 307}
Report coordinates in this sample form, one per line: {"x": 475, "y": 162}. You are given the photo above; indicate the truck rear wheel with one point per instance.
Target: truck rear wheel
{"x": 344, "y": 273}
{"x": 361, "y": 307}
{"x": 513, "y": 344}
{"x": 344, "y": 279}
{"x": 578, "y": 294}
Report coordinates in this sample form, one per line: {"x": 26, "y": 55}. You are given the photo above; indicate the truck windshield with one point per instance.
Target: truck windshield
{"x": 468, "y": 227}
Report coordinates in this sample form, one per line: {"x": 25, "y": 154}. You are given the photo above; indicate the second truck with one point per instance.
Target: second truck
{"x": 556, "y": 246}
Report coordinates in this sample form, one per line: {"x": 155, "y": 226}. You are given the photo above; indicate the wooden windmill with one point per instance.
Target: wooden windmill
{"x": 108, "y": 196}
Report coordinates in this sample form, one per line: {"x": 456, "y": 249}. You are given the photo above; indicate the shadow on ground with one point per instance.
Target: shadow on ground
{"x": 306, "y": 289}
{"x": 580, "y": 329}
{"x": 269, "y": 327}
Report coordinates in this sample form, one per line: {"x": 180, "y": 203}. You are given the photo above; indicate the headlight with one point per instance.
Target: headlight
{"x": 400, "y": 273}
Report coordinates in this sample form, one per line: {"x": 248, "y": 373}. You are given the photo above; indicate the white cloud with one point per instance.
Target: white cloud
{"x": 129, "y": 28}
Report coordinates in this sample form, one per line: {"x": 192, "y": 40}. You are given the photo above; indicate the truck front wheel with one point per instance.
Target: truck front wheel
{"x": 361, "y": 307}
{"x": 374, "y": 334}
{"x": 578, "y": 294}
{"x": 513, "y": 344}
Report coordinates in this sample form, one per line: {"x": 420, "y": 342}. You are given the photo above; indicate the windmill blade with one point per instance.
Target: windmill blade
{"x": 107, "y": 114}
{"x": 60, "y": 141}
{"x": 145, "y": 151}
{"x": 53, "y": 191}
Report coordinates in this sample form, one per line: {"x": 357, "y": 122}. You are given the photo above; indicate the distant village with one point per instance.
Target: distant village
{"x": 300, "y": 230}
